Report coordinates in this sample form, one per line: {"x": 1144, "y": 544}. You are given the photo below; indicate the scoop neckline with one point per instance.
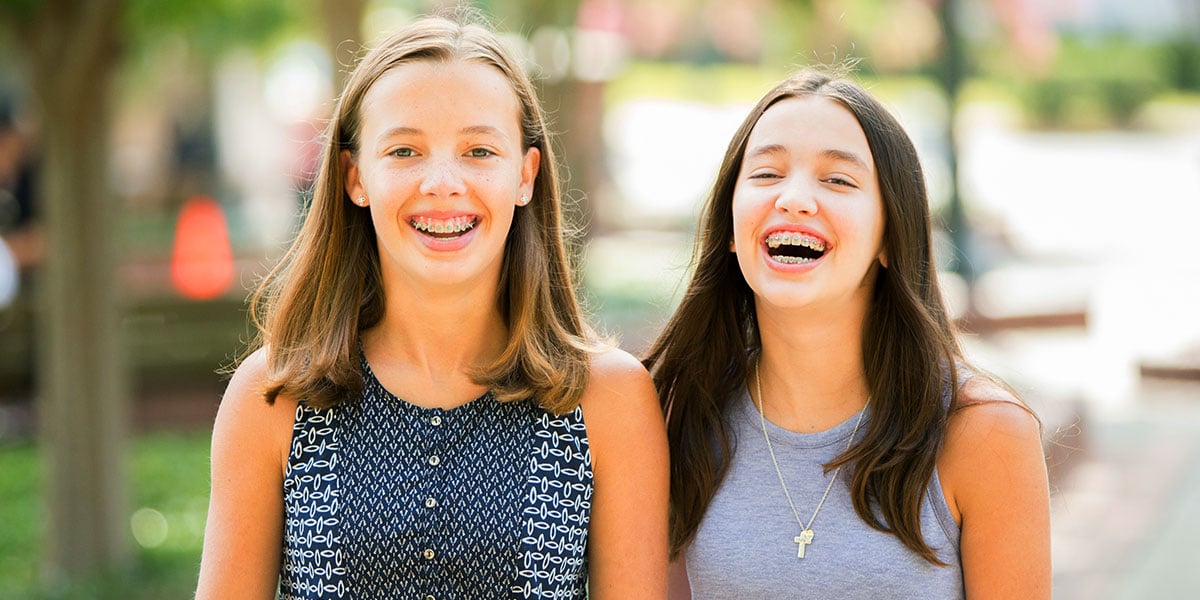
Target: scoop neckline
{"x": 818, "y": 439}
{"x": 373, "y": 380}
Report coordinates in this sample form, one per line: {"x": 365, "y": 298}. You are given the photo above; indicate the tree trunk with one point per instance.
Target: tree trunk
{"x": 952, "y": 71}
{"x": 82, "y": 399}
{"x": 575, "y": 110}
{"x": 343, "y": 36}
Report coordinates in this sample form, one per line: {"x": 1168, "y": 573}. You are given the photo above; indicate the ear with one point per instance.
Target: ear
{"x": 732, "y": 246}
{"x": 883, "y": 260}
{"x": 529, "y": 172}
{"x": 353, "y": 183}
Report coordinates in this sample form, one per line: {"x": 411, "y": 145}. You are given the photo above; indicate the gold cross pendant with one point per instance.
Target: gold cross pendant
{"x": 803, "y": 540}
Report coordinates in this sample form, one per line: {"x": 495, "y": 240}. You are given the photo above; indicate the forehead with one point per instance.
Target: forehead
{"x": 806, "y": 124}
{"x": 454, "y": 93}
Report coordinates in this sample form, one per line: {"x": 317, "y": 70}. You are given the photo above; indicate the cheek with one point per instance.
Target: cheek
{"x": 878, "y": 224}
{"x": 743, "y": 222}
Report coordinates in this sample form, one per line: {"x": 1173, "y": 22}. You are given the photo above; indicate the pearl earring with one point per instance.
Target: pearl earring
{"x": 524, "y": 200}
{"x": 362, "y": 201}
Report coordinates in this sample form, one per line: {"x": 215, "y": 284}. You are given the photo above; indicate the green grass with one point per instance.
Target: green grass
{"x": 21, "y": 516}
{"x": 170, "y": 477}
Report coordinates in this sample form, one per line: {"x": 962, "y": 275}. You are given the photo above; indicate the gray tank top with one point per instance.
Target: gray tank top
{"x": 744, "y": 547}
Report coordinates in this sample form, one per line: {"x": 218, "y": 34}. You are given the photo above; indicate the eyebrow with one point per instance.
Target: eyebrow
{"x": 483, "y": 130}
{"x": 395, "y": 131}
{"x": 470, "y": 130}
{"x": 843, "y": 155}
{"x": 765, "y": 150}
{"x": 830, "y": 154}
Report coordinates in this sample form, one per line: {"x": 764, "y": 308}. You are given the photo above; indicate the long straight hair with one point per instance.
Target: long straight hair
{"x": 909, "y": 348}
{"x": 310, "y": 309}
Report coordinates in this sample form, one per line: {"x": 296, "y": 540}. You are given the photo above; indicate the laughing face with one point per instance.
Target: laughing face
{"x": 807, "y": 212}
{"x": 441, "y": 166}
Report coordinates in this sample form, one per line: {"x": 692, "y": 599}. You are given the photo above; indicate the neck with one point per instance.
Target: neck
{"x": 811, "y": 367}
{"x": 429, "y": 341}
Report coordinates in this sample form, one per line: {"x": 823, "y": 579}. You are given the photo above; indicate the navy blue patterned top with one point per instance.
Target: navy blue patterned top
{"x": 385, "y": 499}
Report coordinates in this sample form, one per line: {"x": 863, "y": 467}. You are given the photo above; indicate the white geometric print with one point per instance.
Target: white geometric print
{"x": 558, "y": 509}
{"x": 385, "y": 499}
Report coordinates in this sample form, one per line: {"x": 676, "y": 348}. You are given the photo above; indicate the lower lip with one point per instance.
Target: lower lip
{"x": 447, "y": 244}
{"x": 790, "y": 267}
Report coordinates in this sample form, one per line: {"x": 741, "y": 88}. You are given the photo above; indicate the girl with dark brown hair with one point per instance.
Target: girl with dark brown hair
{"x": 426, "y": 414}
{"x": 828, "y": 438}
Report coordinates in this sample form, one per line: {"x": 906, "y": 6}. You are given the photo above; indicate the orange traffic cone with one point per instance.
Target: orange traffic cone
{"x": 202, "y": 260}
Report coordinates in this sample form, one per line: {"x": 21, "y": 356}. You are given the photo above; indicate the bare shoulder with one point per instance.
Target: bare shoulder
{"x": 615, "y": 362}
{"x": 993, "y": 474}
{"x": 250, "y": 375}
{"x": 250, "y": 444}
{"x": 627, "y": 535}
{"x": 986, "y": 409}
{"x": 617, "y": 382}
{"x": 993, "y": 441}
{"x": 248, "y": 383}
{"x": 246, "y": 419}
{"x": 246, "y": 387}
{"x": 621, "y": 410}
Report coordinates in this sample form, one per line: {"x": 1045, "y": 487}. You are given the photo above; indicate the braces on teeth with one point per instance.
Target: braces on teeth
{"x": 783, "y": 238}
{"x": 793, "y": 260}
{"x": 455, "y": 225}
{"x": 776, "y": 240}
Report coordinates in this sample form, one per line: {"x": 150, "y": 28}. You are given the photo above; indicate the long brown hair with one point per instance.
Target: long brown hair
{"x": 909, "y": 347}
{"x": 327, "y": 288}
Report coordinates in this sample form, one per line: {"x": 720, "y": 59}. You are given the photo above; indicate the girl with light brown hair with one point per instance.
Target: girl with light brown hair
{"x": 427, "y": 415}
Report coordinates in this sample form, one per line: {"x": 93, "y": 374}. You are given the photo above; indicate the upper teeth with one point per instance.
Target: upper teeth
{"x": 454, "y": 225}
{"x": 791, "y": 238}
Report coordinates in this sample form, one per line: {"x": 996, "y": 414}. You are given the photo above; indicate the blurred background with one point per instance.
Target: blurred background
{"x": 155, "y": 158}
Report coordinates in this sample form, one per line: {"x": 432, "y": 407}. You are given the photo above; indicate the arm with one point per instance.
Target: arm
{"x": 627, "y": 547}
{"x": 994, "y": 477}
{"x": 243, "y": 538}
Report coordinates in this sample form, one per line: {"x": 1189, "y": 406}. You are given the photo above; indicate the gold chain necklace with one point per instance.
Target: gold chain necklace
{"x": 806, "y": 533}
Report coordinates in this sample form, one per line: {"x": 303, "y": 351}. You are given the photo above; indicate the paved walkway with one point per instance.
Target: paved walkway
{"x": 1125, "y": 518}
{"x": 1124, "y": 463}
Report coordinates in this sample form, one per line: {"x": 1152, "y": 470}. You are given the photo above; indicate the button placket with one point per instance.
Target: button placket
{"x": 438, "y": 438}
{"x": 436, "y": 426}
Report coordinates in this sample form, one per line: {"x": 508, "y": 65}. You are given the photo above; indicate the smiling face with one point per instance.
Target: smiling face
{"x": 807, "y": 212}
{"x": 442, "y": 167}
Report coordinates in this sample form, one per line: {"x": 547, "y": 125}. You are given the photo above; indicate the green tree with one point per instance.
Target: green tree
{"x": 71, "y": 52}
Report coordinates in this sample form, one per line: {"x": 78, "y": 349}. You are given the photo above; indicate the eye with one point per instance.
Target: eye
{"x": 835, "y": 180}
{"x": 480, "y": 153}
{"x": 403, "y": 153}
{"x": 765, "y": 175}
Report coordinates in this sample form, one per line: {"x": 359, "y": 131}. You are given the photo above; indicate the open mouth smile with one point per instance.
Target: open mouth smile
{"x": 795, "y": 248}
{"x": 444, "y": 229}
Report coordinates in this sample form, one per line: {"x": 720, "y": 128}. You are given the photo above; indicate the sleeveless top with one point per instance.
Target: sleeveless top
{"x": 385, "y": 499}
{"x": 744, "y": 546}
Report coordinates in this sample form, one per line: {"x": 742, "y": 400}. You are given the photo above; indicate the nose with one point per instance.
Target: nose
{"x": 442, "y": 178}
{"x": 798, "y": 196}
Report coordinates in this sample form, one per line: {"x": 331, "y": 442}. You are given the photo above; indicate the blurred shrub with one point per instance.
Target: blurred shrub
{"x": 1074, "y": 103}
{"x": 1095, "y": 81}
{"x": 170, "y": 477}
{"x": 1182, "y": 60}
